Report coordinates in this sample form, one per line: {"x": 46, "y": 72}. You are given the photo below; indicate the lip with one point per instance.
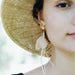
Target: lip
{"x": 71, "y": 35}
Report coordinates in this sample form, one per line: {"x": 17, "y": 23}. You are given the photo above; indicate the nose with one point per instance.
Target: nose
{"x": 73, "y": 15}
{"x": 73, "y": 21}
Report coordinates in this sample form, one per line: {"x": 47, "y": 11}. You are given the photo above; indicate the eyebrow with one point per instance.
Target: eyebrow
{"x": 58, "y": 0}
{"x": 65, "y": 0}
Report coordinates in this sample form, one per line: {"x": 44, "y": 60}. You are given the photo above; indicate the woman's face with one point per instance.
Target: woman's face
{"x": 59, "y": 16}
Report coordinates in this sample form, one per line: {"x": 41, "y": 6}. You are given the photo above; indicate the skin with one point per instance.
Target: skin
{"x": 58, "y": 22}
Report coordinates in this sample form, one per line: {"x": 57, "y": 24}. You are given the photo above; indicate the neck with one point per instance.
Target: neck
{"x": 64, "y": 62}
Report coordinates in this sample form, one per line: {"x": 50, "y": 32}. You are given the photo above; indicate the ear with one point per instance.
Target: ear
{"x": 40, "y": 16}
{"x": 41, "y": 20}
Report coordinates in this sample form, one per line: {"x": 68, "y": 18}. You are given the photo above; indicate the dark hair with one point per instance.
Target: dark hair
{"x": 38, "y": 6}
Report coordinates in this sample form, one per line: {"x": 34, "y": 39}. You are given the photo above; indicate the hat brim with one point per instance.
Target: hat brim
{"x": 19, "y": 24}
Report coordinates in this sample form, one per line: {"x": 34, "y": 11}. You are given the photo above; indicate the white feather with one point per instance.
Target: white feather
{"x": 41, "y": 43}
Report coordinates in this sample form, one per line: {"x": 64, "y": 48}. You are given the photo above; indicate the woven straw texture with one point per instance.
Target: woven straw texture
{"x": 19, "y": 24}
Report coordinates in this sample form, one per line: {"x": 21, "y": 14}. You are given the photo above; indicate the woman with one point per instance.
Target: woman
{"x": 56, "y": 20}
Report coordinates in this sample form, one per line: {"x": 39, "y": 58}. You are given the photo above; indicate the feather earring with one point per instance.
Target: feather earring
{"x": 41, "y": 43}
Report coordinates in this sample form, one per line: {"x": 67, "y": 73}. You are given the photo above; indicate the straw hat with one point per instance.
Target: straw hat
{"x": 20, "y": 26}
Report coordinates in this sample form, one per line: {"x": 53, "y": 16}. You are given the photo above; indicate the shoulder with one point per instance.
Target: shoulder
{"x": 36, "y": 71}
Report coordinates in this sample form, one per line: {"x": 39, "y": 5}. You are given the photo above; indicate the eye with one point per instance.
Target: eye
{"x": 63, "y": 5}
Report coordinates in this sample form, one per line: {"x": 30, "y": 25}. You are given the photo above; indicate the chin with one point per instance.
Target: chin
{"x": 70, "y": 50}
{"x": 67, "y": 49}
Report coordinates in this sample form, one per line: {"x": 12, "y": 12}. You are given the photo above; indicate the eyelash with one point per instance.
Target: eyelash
{"x": 63, "y": 5}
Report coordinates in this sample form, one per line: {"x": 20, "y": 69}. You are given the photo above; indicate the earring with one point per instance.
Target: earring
{"x": 42, "y": 26}
{"x": 41, "y": 43}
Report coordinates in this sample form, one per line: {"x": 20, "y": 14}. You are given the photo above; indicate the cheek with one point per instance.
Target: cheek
{"x": 55, "y": 27}
{"x": 52, "y": 29}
